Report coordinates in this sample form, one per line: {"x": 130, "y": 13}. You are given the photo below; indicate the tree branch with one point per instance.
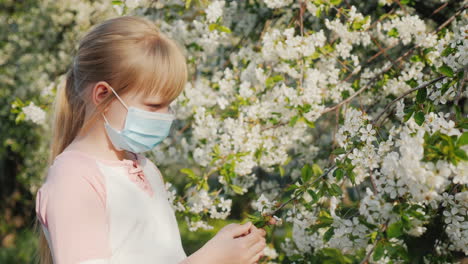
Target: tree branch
{"x": 424, "y": 85}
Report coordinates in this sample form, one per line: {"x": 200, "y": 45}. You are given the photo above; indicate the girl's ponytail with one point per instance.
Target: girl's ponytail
{"x": 69, "y": 110}
{"x": 69, "y": 113}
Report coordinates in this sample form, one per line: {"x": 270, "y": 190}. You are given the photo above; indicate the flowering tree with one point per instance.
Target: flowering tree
{"x": 346, "y": 120}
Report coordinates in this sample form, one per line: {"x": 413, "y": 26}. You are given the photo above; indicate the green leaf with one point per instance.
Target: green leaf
{"x": 419, "y": 117}
{"x": 189, "y": 173}
{"x": 336, "y": 189}
{"x": 408, "y": 113}
{"x": 335, "y": 2}
{"x": 281, "y": 170}
{"x": 273, "y": 79}
{"x": 421, "y": 95}
{"x": 205, "y": 185}
{"x": 446, "y": 70}
{"x": 395, "y": 230}
{"x": 212, "y": 26}
{"x": 461, "y": 154}
{"x": 293, "y": 120}
{"x": 447, "y": 51}
{"x": 308, "y": 123}
{"x": 306, "y": 173}
{"x": 379, "y": 251}
{"x": 338, "y": 174}
{"x": 328, "y": 235}
{"x": 117, "y": 2}
{"x": 393, "y": 33}
{"x": 339, "y": 151}
{"x": 317, "y": 171}
{"x": 352, "y": 176}
{"x": 20, "y": 117}
{"x": 291, "y": 187}
{"x": 463, "y": 140}
{"x": 224, "y": 29}
{"x": 313, "y": 194}
{"x": 236, "y": 189}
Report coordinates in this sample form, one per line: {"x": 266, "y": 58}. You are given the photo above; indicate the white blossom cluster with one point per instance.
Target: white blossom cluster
{"x": 263, "y": 205}
{"x": 399, "y": 84}
{"x": 277, "y": 3}
{"x": 34, "y": 113}
{"x": 403, "y": 172}
{"x": 458, "y": 59}
{"x": 214, "y": 11}
{"x": 365, "y": 157}
{"x": 270, "y": 252}
{"x": 201, "y": 201}
{"x": 375, "y": 209}
{"x": 285, "y": 44}
{"x": 349, "y": 235}
{"x": 198, "y": 200}
{"x": 456, "y": 219}
{"x": 436, "y": 95}
{"x": 171, "y": 197}
{"x": 195, "y": 225}
{"x": 409, "y": 28}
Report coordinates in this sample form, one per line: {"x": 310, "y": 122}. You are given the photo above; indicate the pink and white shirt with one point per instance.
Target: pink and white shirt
{"x": 97, "y": 211}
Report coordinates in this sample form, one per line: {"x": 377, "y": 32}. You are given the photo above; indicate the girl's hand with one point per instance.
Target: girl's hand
{"x": 253, "y": 228}
{"x": 233, "y": 244}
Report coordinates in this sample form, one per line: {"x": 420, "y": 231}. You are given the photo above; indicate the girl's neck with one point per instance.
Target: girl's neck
{"x": 102, "y": 153}
{"x": 96, "y": 142}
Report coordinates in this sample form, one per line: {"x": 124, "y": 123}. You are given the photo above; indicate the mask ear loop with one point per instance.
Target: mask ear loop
{"x": 118, "y": 97}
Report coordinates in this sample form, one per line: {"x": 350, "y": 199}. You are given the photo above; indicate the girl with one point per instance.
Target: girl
{"x": 103, "y": 201}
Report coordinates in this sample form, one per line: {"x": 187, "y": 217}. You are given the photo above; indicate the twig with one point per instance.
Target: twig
{"x": 374, "y": 186}
{"x": 374, "y": 121}
{"x": 461, "y": 85}
{"x": 439, "y": 9}
{"x": 448, "y": 21}
{"x": 329, "y": 109}
{"x": 377, "y": 239}
{"x": 364, "y": 261}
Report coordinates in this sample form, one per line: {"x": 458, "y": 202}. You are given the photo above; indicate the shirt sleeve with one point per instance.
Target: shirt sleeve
{"x": 71, "y": 204}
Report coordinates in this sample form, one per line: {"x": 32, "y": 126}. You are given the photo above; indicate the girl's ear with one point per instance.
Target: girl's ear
{"x": 99, "y": 92}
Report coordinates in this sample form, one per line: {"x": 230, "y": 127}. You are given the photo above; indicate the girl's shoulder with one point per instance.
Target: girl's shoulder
{"x": 72, "y": 181}
{"x": 71, "y": 172}
{"x": 74, "y": 164}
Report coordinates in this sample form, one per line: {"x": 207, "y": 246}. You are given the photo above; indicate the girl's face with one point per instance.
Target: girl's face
{"x": 116, "y": 111}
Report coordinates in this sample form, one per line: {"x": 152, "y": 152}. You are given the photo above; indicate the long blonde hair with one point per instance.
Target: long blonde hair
{"x": 129, "y": 53}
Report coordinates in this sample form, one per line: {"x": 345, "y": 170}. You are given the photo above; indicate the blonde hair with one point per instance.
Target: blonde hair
{"x": 129, "y": 53}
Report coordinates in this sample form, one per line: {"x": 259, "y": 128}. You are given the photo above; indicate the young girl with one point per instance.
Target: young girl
{"x": 103, "y": 201}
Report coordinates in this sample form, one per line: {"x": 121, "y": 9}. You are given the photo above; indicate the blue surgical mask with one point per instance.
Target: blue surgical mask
{"x": 143, "y": 130}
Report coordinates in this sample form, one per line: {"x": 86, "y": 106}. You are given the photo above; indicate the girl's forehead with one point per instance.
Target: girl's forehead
{"x": 150, "y": 99}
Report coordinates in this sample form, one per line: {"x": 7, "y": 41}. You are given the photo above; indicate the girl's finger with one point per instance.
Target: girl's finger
{"x": 257, "y": 248}
{"x": 250, "y": 239}
{"x": 262, "y": 231}
{"x": 257, "y": 257}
